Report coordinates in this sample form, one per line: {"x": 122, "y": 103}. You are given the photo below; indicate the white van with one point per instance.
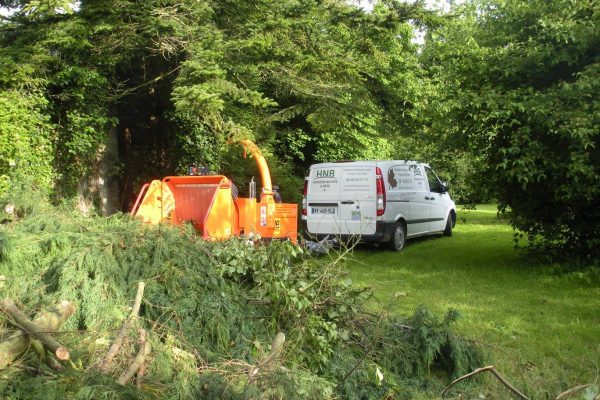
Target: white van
{"x": 376, "y": 201}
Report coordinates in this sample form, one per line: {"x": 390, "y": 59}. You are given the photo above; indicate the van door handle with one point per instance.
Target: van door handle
{"x": 429, "y": 198}
{"x": 347, "y": 202}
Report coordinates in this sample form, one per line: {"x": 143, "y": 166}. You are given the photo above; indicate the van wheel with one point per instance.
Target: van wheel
{"x": 398, "y": 239}
{"x": 448, "y": 230}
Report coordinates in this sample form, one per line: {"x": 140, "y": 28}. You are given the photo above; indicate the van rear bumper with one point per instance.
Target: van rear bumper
{"x": 383, "y": 233}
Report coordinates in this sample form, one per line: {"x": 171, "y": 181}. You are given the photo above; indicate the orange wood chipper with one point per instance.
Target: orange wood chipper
{"x": 208, "y": 203}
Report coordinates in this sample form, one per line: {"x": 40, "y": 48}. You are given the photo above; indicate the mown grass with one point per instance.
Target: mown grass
{"x": 541, "y": 328}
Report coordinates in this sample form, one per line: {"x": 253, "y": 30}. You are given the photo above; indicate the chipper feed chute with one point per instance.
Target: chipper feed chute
{"x": 204, "y": 201}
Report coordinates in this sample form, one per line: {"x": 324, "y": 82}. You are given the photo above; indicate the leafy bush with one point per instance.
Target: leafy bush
{"x": 524, "y": 100}
{"x": 25, "y": 140}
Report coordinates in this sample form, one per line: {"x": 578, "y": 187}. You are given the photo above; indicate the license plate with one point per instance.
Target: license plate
{"x": 323, "y": 210}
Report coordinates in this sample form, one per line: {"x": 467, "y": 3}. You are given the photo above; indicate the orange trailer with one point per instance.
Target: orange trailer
{"x": 208, "y": 204}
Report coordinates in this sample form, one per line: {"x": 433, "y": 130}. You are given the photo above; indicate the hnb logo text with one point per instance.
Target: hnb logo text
{"x": 326, "y": 173}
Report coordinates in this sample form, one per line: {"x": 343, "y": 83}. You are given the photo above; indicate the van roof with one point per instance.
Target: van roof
{"x": 366, "y": 163}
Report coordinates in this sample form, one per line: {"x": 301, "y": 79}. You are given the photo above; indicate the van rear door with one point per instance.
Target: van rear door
{"x": 341, "y": 199}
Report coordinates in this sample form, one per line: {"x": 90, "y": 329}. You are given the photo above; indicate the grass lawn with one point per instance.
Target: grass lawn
{"x": 544, "y": 327}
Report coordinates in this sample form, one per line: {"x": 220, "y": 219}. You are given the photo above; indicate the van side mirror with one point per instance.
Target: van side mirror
{"x": 445, "y": 187}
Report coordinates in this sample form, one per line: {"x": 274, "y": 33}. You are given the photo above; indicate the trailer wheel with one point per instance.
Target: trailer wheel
{"x": 398, "y": 240}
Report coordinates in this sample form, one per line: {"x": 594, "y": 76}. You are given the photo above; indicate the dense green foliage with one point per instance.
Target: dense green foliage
{"x": 25, "y": 142}
{"x": 212, "y": 310}
{"x": 521, "y": 86}
{"x": 501, "y": 99}
{"x": 46, "y": 58}
{"x": 308, "y": 81}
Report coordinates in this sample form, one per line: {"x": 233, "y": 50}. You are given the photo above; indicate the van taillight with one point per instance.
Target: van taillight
{"x": 380, "y": 192}
{"x": 304, "y": 193}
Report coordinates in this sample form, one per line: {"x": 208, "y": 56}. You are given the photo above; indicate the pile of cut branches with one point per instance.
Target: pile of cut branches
{"x": 216, "y": 320}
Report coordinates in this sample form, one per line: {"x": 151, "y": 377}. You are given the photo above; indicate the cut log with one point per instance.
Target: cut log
{"x": 47, "y": 321}
{"x": 54, "y": 316}
{"x": 276, "y": 348}
{"x": 140, "y": 376}
{"x": 138, "y": 361}
{"x": 114, "y": 348}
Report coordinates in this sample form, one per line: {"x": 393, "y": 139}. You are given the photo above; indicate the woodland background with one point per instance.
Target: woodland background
{"x": 501, "y": 98}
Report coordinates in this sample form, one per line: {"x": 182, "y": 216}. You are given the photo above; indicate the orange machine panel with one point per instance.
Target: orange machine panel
{"x": 220, "y": 220}
{"x": 156, "y": 204}
{"x": 286, "y": 221}
{"x": 246, "y": 215}
{"x": 205, "y": 201}
{"x": 277, "y": 221}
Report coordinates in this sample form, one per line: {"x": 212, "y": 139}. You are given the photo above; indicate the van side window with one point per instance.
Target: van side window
{"x": 408, "y": 177}
{"x": 434, "y": 183}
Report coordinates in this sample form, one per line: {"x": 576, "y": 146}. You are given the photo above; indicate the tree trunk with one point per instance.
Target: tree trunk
{"x": 102, "y": 187}
{"x": 108, "y": 183}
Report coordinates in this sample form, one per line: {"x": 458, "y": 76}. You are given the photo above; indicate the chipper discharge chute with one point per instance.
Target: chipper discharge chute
{"x": 208, "y": 204}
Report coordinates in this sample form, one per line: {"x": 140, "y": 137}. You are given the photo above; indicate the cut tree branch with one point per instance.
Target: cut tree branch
{"x": 276, "y": 349}
{"x": 491, "y": 369}
{"x": 114, "y": 348}
{"x": 138, "y": 361}
{"x": 568, "y": 393}
{"x": 150, "y": 82}
{"x": 140, "y": 375}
